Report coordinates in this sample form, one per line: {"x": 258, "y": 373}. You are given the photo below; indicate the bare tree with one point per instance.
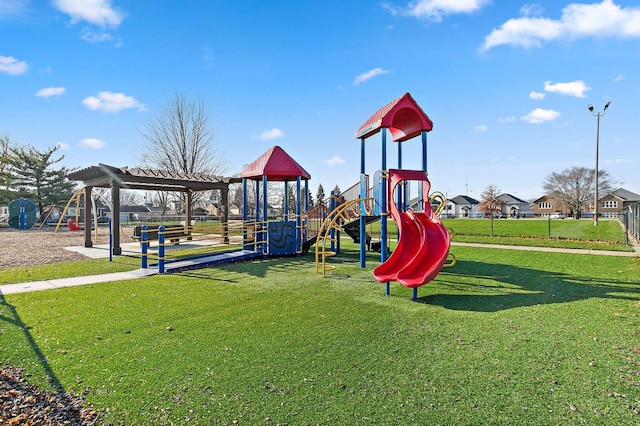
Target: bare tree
{"x": 576, "y": 186}
{"x": 180, "y": 140}
{"x": 489, "y": 201}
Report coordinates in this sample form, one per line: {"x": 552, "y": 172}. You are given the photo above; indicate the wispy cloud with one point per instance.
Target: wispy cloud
{"x": 536, "y": 95}
{"x": 63, "y": 146}
{"x": 573, "y": 88}
{"x": 605, "y": 19}
{"x": 50, "y": 91}
{"x": 91, "y": 143}
{"x": 13, "y": 7}
{"x": 272, "y": 134}
{"x": 620, "y": 77}
{"x": 94, "y": 12}
{"x": 481, "y": 128}
{"x": 539, "y": 116}
{"x": 369, "y": 75}
{"x": 334, "y": 161}
{"x": 507, "y": 119}
{"x": 12, "y": 66}
{"x": 435, "y": 10}
{"x": 112, "y": 102}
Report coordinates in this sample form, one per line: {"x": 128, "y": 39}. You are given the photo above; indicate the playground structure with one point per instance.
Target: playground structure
{"x": 256, "y": 236}
{"x": 423, "y": 245}
{"x": 23, "y": 213}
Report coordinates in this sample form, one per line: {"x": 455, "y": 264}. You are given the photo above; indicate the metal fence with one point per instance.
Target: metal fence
{"x": 630, "y": 219}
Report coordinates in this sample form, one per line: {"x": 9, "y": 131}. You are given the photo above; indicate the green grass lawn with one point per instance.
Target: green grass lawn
{"x": 567, "y": 233}
{"x": 504, "y": 337}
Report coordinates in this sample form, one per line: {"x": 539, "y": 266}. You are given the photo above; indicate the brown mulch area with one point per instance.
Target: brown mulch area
{"x": 39, "y": 246}
{"x": 24, "y": 404}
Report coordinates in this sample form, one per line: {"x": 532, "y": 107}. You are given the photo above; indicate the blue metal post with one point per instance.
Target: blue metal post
{"x": 286, "y": 200}
{"x": 332, "y": 231}
{"x": 265, "y": 247}
{"x": 145, "y": 246}
{"x": 257, "y": 235}
{"x": 161, "y": 249}
{"x": 245, "y": 246}
{"x": 424, "y": 166}
{"x": 415, "y": 294}
{"x": 298, "y": 216}
{"x": 363, "y": 194}
{"x": 306, "y": 209}
{"x": 400, "y": 188}
{"x": 383, "y": 207}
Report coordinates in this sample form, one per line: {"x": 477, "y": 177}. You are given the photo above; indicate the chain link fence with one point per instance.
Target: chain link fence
{"x": 630, "y": 219}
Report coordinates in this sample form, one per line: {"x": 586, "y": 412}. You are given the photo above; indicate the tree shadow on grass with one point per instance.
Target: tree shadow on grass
{"x": 489, "y": 287}
{"x": 9, "y": 314}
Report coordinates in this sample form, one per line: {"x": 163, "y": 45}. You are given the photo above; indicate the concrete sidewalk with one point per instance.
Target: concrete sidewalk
{"x": 634, "y": 253}
{"x": 74, "y": 281}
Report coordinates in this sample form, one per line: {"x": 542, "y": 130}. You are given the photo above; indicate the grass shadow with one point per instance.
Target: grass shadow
{"x": 489, "y": 287}
{"x": 9, "y": 314}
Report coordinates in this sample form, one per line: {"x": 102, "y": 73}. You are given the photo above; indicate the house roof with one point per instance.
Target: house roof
{"x": 134, "y": 209}
{"x": 276, "y": 165}
{"x": 403, "y": 117}
{"x": 625, "y": 195}
{"x": 508, "y": 198}
{"x": 463, "y": 199}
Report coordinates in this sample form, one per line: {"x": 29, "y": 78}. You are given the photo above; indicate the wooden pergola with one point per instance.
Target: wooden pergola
{"x": 104, "y": 176}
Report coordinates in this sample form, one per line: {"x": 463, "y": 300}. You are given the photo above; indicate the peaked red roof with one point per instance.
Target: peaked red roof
{"x": 403, "y": 117}
{"x": 276, "y": 165}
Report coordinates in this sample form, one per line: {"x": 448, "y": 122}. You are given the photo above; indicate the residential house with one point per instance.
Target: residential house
{"x": 514, "y": 206}
{"x": 4, "y": 213}
{"x": 461, "y": 206}
{"x": 550, "y": 204}
{"x": 611, "y": 204}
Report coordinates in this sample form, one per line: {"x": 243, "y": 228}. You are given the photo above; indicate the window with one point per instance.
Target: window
{"x": 544, "y": 205}
{"x": 610, "y": 204}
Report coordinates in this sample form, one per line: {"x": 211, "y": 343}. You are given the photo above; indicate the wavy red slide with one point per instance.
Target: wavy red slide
{"x": 424, "y": 241}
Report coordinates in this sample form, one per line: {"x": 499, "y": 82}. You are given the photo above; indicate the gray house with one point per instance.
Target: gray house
{"x": 461, "y": 206}
{"x": 514, "y": 206}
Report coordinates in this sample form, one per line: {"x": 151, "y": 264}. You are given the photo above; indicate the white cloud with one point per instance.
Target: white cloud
{"x": 481, "y": 128}
{"x": 96, "y": 37}
{"x": 95, "y": 12}
{"x": 536, "y": 95}
{"x": 12, "y": 66}
{"x": 507, "y": 119}
{"x": 334, "y": 161}
{"x": 112, "y": 102}
{"x": 605, "y": 19}
{"x": 620, "y": 77}
{"x": 573, "y": 88}
{"x": 50, "y": 91}
{"x": 368, "y": 75}
{"x": 434, "y": 10}
{"x": 91, "y": 143}
{"x": 539, "y": 115}
{"x": 63, "y": 146}
{"x": 268, "y": 135}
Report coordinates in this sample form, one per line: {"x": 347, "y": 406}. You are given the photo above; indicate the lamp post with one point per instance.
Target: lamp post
{"x": 595, "y": 194}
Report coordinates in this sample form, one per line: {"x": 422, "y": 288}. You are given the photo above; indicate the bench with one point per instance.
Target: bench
{"x": 172, "y": 234}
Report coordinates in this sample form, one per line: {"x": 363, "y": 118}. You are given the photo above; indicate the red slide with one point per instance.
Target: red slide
{"x": 424, "y": 241}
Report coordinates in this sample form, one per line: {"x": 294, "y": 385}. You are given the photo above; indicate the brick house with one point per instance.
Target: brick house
{"x": 611, "y": 204}
{"x": 550, "y": 204}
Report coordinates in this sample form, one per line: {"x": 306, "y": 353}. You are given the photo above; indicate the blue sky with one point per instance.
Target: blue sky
{"x": 506, "y": 83}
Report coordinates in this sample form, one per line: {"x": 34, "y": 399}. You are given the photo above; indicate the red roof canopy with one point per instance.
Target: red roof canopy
{"x": 276, "y": 165}
{"x": 403, "y": 117}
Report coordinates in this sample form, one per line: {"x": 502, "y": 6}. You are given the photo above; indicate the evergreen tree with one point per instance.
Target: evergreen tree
{"x": 31, "y": 172}
{"x": 320, "y": 194}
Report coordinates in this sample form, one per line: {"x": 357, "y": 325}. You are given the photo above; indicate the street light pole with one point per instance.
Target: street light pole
{"x": 595, "y": 193}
